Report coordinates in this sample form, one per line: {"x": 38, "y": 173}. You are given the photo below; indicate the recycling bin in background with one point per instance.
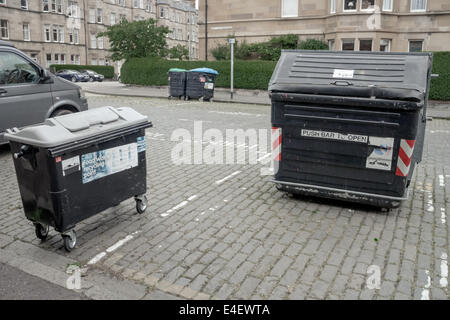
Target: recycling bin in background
{"x": 200, "y": 83}
{"x": 351, "y": 125}
{"x": 74, "y": 166}
{"x": 177, "y": 83}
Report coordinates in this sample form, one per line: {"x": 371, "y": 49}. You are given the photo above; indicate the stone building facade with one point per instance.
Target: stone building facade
{"x": 376, "y": 25}
{"x": 65, "y": 31}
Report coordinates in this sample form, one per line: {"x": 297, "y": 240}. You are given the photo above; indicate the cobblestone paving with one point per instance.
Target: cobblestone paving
{"x": 206, "y": 237}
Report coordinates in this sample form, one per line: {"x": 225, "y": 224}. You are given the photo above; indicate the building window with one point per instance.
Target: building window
{"x": 332, "y": 6}
{"x": 59, "y": 6}
{"x": 4, "y": 29}
{"x": 385, "y": 45}
{"x": 72, "y": 9}
{"x": 70, "y": 36}
{"x": 141, "y": 4}
{"x": 101, "y": 62}
{"x": 367, "y": 4}
{"x": 47, "y": 32}
{"x": 415, "y": 45}
{"x": 53, "y": 5}
{"x": 148, "y": 5}
{"x": 135, "y": 3}
{"x": 100, "y": 42}
{"x": 418, "y": 5}
{"x": 2, "y": 2}
{"x": 45, "y": 5}
{"x": 56, "y": 58}
{"x": 289, "y": 8}
{"x": 93, "y": 62}
{"x": 99, "y": 15}
{"x": 161, "y": 12}
{"x": 26, "y": 32}
{"x": 92, "y": 15}
{"x": 365, "y": 45}
{"x": 112, "y": 19}
{"x": 331, "y": 45}
{"x": 387, "y": 5}
{"x": 93, "y": 41}
{"x": 63, "y": 59}
{"x": 23, "y": 4}
{"x": 72, "y": 59}
{"x": 61, "y": 34}
{"x": 122, "y": 17}
{"x": 48, "y": 60}
{"x": 55, "y": 34}
{"x": 348, "y": 44}
{"x": 350, "y": 5}
{"x": 76, "y": 35}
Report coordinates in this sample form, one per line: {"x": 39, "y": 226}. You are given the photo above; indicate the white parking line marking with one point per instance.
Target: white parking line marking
{"x": 97, "y": 258}
{"x": 178, "y": 206}
{"x": 264, "y": 157}
{"x": 441, "y": 181}
{"x": 119, "y": 243}
{"x": 228, "y": 177}
{"x": 444, "y": 271}
{"x": 443, "y": 216}
{"x": 426, "y": 291}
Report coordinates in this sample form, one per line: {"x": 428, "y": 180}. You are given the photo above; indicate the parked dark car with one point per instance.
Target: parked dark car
{"x": 72, "y": 75}
{"x": 94, "y": 76}
{"x": 29, "y": 94}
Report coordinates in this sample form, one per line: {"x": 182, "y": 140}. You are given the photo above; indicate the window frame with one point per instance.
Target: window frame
{"x": 289, "y": 16}
{"x": 348, "y": 39}
{"x": 371, "y": 45}
{"x": 21, "y": 6}
{"x": 47, "y": 31}
{"x": 418, "y": 10}
{"x": 389, "y": 45}
{"x": 99, "y": 10}
{"x": 332, "y": 6}
{"x": 415, "y": 40}
{"x": 387, "y": 10}
{"x": 365, "y": 10}
{"x": 44, "y": 2}
{"x": 349, "y": 10}
{"x": 29, "y": 31}
{"x": 4, "y": 28}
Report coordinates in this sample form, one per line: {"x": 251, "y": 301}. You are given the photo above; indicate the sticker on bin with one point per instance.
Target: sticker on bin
{"x": 71, "y": 165}
{"x": 103, "y": 163}
{"x": 334, "y": 136}
{"x": 209, "y": 86}
{"x": 141, "y": 144}
{"x": 343, "y": 74}
{"x": 382, "y": 153}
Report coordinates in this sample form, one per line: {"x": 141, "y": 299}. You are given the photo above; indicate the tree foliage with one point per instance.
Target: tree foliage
{"x": 136, "y": 39}
{"x": 178, "y": 52}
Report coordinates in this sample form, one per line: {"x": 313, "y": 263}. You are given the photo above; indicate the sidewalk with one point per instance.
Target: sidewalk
{"x": 436, "y": 109}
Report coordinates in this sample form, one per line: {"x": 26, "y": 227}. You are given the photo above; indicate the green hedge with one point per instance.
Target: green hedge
{"x": 107, "y": 71}
{"x": 251, "y": 74}
{"x": 153, "y": 72}
{"x": 440, "y": 87}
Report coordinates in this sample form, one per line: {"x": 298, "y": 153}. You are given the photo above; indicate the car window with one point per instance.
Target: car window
{"x": 15, "y": 69}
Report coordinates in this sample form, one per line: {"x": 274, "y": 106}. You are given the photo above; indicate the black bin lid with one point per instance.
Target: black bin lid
{"x": 395, "y": 76}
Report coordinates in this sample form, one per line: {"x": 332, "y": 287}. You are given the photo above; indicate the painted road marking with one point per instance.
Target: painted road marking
{"x": 178, "y": 206}
{"x": 443, "y": 216}
{"x": 441, "y": 181}
{"x": 426, "y": 292}
{"x": 444, "y": 271}
{"x": 228, "y": 177}
{"x": 112, "y": 248}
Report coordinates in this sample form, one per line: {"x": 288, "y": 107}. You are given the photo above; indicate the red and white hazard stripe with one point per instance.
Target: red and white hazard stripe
{"x": 404, "y": 157}
{"x": 276, "y": 144}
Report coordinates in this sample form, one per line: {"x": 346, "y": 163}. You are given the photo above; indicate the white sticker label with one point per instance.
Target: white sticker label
{"x": 381, "y": 156}
{"x": 343, "y": 74}
{"x": 334, "y": 136}
{"x": 209, "y": 85}
{"x": 71, "y": 164}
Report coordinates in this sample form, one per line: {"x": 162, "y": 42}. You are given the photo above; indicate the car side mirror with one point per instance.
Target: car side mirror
{"x": 46, "y": 77}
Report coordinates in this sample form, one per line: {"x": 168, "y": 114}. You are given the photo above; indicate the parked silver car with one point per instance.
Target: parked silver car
{"x": 29, "y": 94}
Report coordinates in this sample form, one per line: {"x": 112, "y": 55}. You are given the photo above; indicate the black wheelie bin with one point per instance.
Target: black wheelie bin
{"x": 200, "y": 83}
{"x": 177, "y": 83}
{"x": 352, "y": 124}
{"x": 74, "y": 166}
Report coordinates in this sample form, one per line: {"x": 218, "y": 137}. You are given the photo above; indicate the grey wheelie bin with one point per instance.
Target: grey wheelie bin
{"x": 351, "y": 124}
{"x": 177, "y": 83}
{"x": 74, "y": 166}
{"x": 200, "y": 83}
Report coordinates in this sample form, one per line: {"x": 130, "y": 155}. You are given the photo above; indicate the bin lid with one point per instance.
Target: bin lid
{"x": 396, "y": 76}
{"x": 73, "y": 127}
{"x": 205, "y": 70}
{"x": 177, "y": 70}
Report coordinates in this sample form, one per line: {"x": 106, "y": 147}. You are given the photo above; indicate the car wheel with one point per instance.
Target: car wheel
{"x": 91, "y": 79}
{"x": 61, "y": 112}
{"x": 73, "y": 79}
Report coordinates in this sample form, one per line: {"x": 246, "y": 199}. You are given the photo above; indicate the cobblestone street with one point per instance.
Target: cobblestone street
{"x": 225, "y": 232}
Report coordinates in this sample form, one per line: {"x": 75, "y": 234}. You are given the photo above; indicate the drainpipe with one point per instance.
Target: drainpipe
{"x": 85, "y": 33}
{"x": 206, "y": 30}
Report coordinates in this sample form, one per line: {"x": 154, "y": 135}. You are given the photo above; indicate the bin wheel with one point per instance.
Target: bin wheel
{"x": 70, "y": 240}
{"x": 41, "y": 231}
{"x": 141, "y": 204}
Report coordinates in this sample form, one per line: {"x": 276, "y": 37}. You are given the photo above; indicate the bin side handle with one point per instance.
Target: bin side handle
{"x": 342, "y": 83}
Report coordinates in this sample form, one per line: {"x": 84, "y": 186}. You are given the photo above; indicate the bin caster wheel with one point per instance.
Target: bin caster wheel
{"x": 141, "y": 204}
{"x": 41, "y": 231}
{"x": 70, "y": 240}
